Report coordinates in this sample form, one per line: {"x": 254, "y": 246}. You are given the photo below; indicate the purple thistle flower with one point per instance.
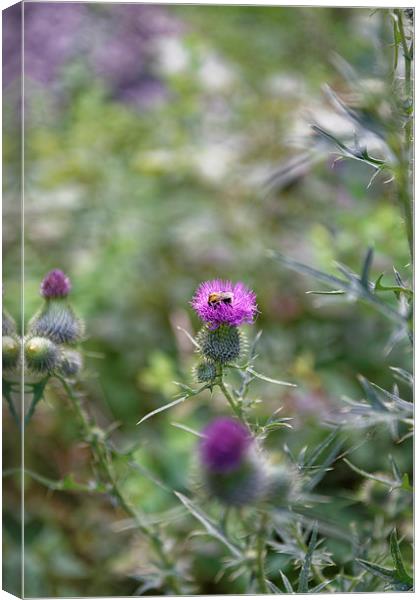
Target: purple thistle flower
{"x": 55, "y": 285}
{"x": 225, "y": 445}
{"x": 219, "y": 302}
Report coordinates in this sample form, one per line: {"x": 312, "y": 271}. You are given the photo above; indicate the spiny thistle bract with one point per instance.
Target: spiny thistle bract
{"x": 10, "y": 352}
{"x": 56, "y": 319}
{"x": 70, "y": 362}
{"x": 221, "y": 345}
{"x": 41, "y": 355}
{"x": 232, "y": 468}
{"x": 205, "y": 372}
{"x": 283, "y": 485}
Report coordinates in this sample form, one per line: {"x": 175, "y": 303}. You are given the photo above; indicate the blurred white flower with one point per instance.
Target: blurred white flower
{"x": 285, "y": 85}
{"x": 172, "y": 57}
{"x": 214, "y": 161}
{"x": 215, "y": 75}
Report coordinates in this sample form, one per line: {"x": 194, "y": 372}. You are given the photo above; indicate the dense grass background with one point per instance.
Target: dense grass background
{"x": 151, "y": 134}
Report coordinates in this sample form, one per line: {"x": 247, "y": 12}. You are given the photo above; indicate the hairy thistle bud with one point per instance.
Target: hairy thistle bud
{"x": 41, "y": 355}
{"x": 70, "y": 362}
{"x": 205, "y": 372}
{"x": 56, "y": 319}
{"x": 282, "y": 485}
{"x": 231, "y": 466}
{"x": 10, "y": 352}
{"x": 221, "y": 345}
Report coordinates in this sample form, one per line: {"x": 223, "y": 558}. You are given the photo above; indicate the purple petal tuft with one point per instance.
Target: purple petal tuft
{"x": 225, "y": 444}
{"x": 55, "y": 285}
{"x": 241, "y": 309}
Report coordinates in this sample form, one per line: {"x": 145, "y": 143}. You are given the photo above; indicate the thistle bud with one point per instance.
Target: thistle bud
{"x": 282, "y": 485}
{"x": 10, "y": 352}
{"x": 41, "y": 355}
{"x": 56, "y": 319}
{"x": 221, "y": 345}
{"x": 70, "y": 362}
{"x": 205, "y": 372}
{"x": 231, "y": 465}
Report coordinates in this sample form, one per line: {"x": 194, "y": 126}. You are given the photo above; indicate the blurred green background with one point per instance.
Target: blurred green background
{"x": 150, "y": 135}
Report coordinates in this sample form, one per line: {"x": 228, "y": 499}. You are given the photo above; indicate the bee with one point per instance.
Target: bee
{"x": 216, "y": 298}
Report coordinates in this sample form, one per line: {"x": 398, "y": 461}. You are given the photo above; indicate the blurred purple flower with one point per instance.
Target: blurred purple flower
{"x": 55, "y": 285}
{"x": 52, "y": 33}
{"x": 219, "y": 302}
{"x": 115, "y": 42}
{"x": 225, "y": 445}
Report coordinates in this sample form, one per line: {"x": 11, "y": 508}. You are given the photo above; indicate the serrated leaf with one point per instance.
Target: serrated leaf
{"x": 382, "y": 572}
{"x": 303, "y": 585}
{"x": 318, "y": 588}
{"x": 272, "y": 587}
{"x": 405, "y": 483}
{"x": 286, "y": 583}
{"x": 318, "y": 450}
{"x": 173, "y": 403}
{"x": 400, "y": 571}
{"x": 367, "y": 263}
{"x": 395, "y": 469}
{"x": 387, "y": 482}
{"x": 37, "y": 395}
{"x": 391, "y": 288}
{"x": 208, "y": 523}
{"x": 403, "y": 375}
{"x": 161, "y": 409}
{"x": 7, "y": 389}
{"x": 269, "y": 379}
{"x": 371, "y": 396}
{"x": 188, "y": 429}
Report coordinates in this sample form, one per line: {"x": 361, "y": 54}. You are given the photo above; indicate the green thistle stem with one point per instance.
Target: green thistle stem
{"x": 261, "y": 551}
{"x": 404, "y": 186}
{"x": 100, "y": 453}
{"x": 237, "y": 409}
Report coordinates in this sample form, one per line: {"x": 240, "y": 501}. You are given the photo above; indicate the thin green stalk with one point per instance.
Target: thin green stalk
{"x": 404, "y": 188}
{"x": 406, "y": 53}
{"x": 261, "y": 551}
{"x": 100, "y": 453}
{"x": 233, "y": 404}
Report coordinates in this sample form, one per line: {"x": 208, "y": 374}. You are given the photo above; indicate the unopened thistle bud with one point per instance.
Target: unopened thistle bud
{"x": 41, "y": 355}
{"x": 221, "y": 345}
{"x": 231, "y": 467}
{"x": 283, "y": 485}
{"x": 56, "y": 320}
{"x": 70, "y": 362}
{"x": 205, "y": 372}
{"x": 10, "y": 352}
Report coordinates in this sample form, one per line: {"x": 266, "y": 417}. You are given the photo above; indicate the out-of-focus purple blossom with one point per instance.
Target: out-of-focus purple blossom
{"x": 52, "y": 36}
{"x": 12, "y": 42}
{"x": 224, "y": 445}
{"x": 219, "y": 302}
{"x": 55, "y": 285}
{"x": 115, "y": 42}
